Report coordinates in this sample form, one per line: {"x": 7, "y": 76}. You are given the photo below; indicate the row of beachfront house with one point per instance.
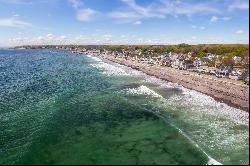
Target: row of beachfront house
{"x": 183, "y": 62}
{"x": 175, "y": 60}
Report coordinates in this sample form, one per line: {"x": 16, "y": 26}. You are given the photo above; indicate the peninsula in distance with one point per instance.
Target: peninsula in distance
{"x": 135, "y": 82}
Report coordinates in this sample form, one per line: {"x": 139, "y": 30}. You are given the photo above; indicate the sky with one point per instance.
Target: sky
{"x": 123, "y": 22}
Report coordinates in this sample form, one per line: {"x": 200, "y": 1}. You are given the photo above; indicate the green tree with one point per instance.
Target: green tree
{"x": 201, "y": 54}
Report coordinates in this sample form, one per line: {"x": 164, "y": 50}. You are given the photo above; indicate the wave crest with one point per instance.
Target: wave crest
{"x": 143, "y": 90}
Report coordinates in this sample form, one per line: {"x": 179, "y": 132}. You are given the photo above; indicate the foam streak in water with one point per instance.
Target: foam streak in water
{"x": 143, "y": 90}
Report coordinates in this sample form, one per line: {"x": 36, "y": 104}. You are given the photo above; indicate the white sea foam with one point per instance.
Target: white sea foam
{"x": 212, "y": 161}
{"x": 192, "y": 97}
{"x": 108, "y": 69}
{"x": 215, "y": 121}
{"x": 204, "y": 101}
{"x": 143, "y": 90}
{"x": 94, "y": 58}
{"x": 218, "y": 126}
{"x": 200, "y": 110}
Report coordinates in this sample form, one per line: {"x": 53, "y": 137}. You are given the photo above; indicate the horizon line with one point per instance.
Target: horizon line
{"x": 125, "y": 44}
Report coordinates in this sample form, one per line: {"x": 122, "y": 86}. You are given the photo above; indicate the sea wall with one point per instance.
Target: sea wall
{"x": 232, "y": 92}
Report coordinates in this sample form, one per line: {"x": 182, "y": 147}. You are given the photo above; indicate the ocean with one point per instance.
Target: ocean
{"x": 62, "y": 108}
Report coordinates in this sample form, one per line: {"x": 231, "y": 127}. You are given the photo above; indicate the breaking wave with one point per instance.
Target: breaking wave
{"x": 204, "y": 101}
{"x": 194, "y": 108}
{"x": 143, "y": 90}
{"x": 94, "y": 58}
{"x": 108, "y": 69}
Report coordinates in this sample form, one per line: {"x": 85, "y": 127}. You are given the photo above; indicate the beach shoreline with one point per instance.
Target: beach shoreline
{"x": 226, "y": 91}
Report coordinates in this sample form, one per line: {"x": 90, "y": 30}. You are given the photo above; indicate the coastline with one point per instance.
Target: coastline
{"x": 222, "y": 90}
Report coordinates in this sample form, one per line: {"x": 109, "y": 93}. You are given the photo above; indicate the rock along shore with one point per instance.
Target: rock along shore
{"x": 231, "y": 92}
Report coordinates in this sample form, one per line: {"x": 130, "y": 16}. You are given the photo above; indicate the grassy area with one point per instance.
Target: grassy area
{"x": 246, "y": 82}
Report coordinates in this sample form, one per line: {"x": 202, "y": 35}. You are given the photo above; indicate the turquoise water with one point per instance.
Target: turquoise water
{"x": 60, "y": 108}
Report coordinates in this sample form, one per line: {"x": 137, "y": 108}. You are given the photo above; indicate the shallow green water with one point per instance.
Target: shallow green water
{"x": 59, "y": 108}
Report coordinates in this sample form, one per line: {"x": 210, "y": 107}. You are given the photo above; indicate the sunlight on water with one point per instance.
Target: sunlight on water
{"x": 58, "y": 108}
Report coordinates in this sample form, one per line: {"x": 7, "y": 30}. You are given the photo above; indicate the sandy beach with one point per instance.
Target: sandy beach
{"x": 231, "y": 92}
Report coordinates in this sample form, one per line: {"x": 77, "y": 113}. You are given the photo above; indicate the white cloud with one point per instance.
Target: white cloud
{"x": 76, "y": 3}
{"x": 194, "y": 26}
{"x": 181, "y": 7}
{"x": 137, "y": 23}
{"x": 239, "y": 5}
{"x": 12, "y": 22}
{"x": 134, "y": 12}
{"x": 82, "y": 14}
{"x": 110, "y": 39}
{"x": 85, "y": 14}
{"x": 226, "y": 18}
{"x": 63, "y": 37}
{"x": 17, "y": 39}
{"x": 159, "y": 9}
{"x": 124, "y": 15}
{"x": 50, "y": 36}
{"x": 194, "y": 37}
{"x": 107, "y": 36}
{"x": 239, "y": 31}
{"x": 196, "y": 8}
{"x": 203, "y": 28}
{"x": 214, "y": 19}
{"x": 16, "y": 15}
{"x": 48, "y": 39}
{"x": 156, "y": 9}
{"x": 18, "y": 2}
{"x": 143, "y": 11}
{"x": 40, "y": 37}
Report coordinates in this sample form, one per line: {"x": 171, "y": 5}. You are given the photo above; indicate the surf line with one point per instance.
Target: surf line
{"x": 211, "y": 161}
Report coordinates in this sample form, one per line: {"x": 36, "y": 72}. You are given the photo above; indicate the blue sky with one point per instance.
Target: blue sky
{"x": 123, "y": 21}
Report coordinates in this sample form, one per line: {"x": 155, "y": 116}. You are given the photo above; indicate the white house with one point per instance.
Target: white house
{"x": 210, "y": 56}
{"x": 200, "y": 61}
{"x": 175, "y": 63}
{"x": 173, "y": 56}
{"x": 237, "y": 59}
{"x": 238, "y": 74}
